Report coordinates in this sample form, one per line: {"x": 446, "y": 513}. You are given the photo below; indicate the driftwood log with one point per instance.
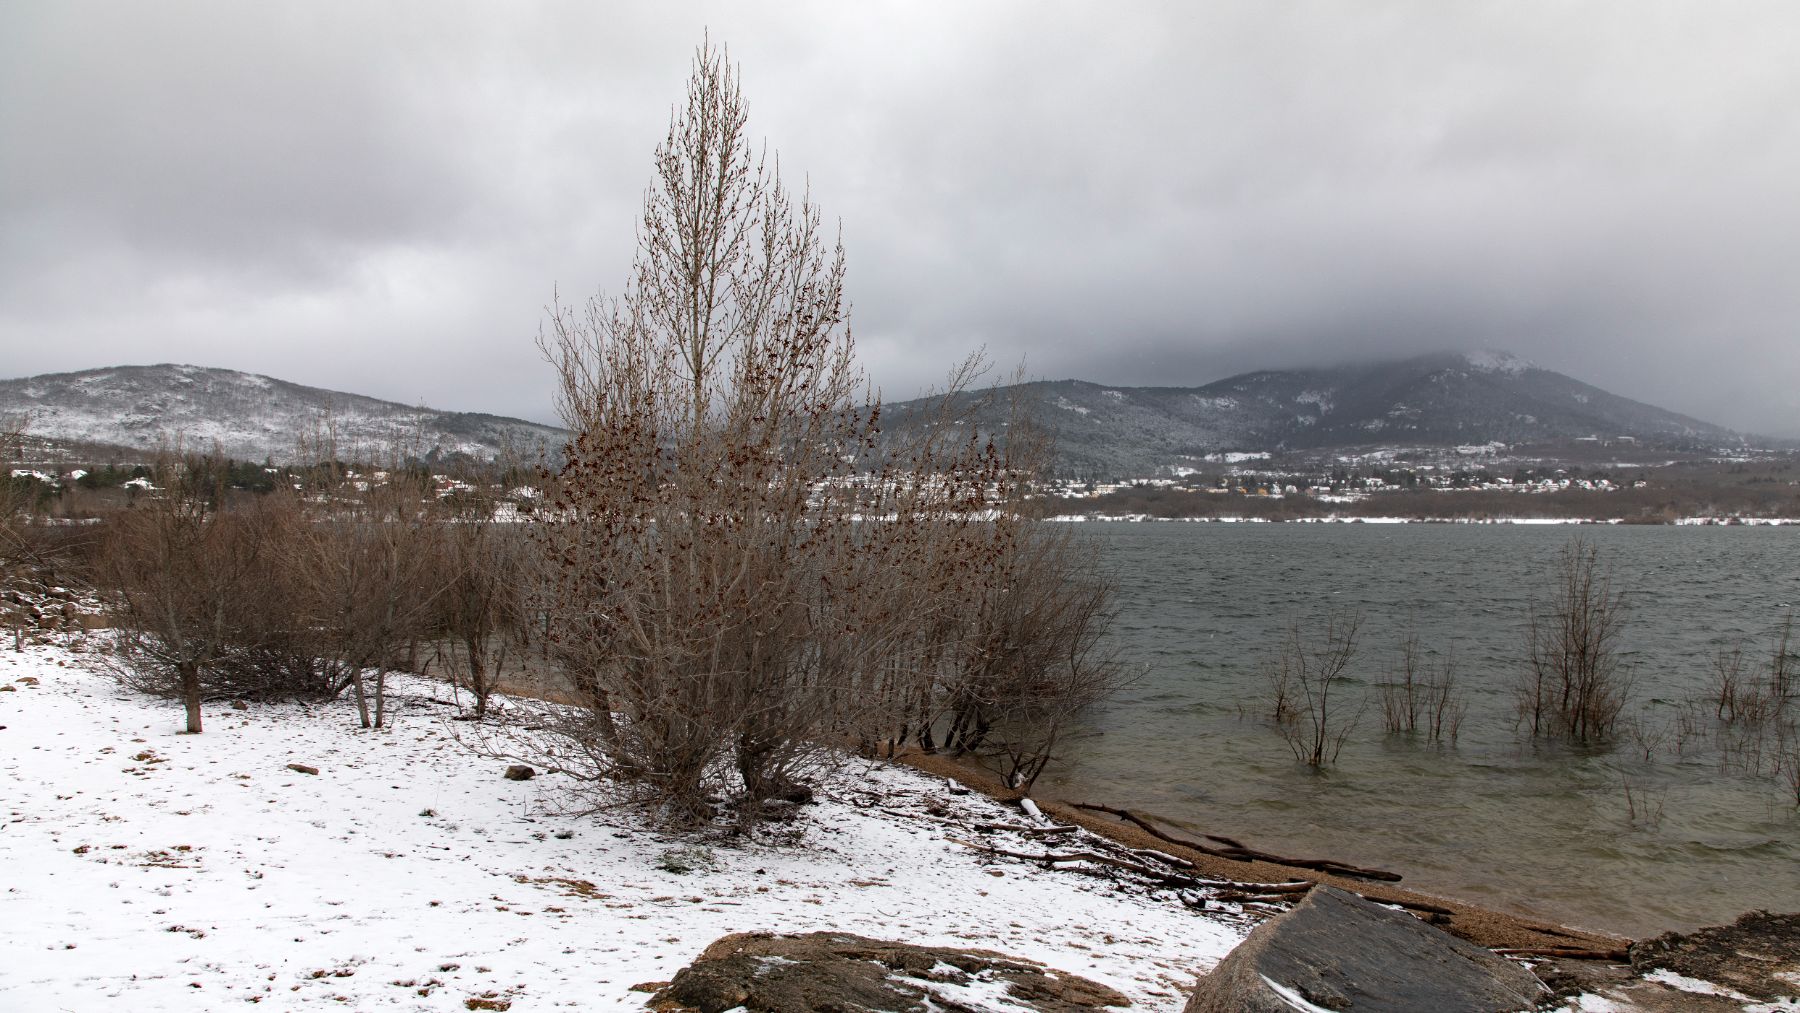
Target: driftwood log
{"x": 1237, "y": 851}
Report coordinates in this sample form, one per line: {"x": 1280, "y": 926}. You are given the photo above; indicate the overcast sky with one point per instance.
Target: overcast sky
{"x": 380, "y": 197}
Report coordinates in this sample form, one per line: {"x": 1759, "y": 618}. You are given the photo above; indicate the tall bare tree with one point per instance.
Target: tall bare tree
{"x": 705, "y": 491}
{"x": 741, "y": 572}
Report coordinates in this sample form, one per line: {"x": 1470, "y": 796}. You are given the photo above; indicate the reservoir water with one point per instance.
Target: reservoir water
{"x": 1538, "y": 827}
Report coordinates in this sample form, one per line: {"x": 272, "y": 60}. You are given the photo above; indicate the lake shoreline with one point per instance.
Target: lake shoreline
{"x": 1679, "y": 522}
{"x": 1481, "y": 925}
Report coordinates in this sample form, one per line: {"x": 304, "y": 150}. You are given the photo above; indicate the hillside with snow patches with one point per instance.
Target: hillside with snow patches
{"x": 250, "y": 417}
{"x": 1445, "y": 399}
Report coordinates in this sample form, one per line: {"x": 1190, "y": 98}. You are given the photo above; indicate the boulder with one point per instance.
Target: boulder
{"x": 1339, "y": 953}
{"x": 762, "y": 973}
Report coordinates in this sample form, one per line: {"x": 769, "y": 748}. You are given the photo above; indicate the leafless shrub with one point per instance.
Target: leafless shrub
{"x": 1400, "y": 693}
{"x": 1575, "y": 683}
{"x": 1787, "y": 763}
{"x": 1281, "y": 704}
{"x": 1727, "y": 681}
{"x": 1420, "y": 695}
{"x": 1784, "y": 667}
{"x": 1688, "y": 727}
{"x": 1315, "y": 674}
{"x": 1765, "y": 698}
{"x": 1031, "y": 657}
{"x": 482, "y": 609}
{"x": 1643, "y": 805}
{"x": 1646, "y": 734}
{"x": 1445, "y": 702}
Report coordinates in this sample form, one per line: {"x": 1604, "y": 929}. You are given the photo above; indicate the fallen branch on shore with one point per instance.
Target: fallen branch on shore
{"x": 1237, "y": 852}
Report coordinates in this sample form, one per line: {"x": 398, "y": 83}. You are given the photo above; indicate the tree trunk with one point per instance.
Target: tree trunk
{"x": 380, "y": 696}
{"x": 362, "y": 696}
{"x": 190, "y": 694}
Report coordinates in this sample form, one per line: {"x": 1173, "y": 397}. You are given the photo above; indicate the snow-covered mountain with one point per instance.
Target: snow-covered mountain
{"x": 1442, "y": 399}
{"x": 250, "y": 417}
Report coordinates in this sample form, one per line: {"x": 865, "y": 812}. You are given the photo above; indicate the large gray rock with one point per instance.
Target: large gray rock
{"x": 1338, "y": 952}
{"x": 835, "y": 971}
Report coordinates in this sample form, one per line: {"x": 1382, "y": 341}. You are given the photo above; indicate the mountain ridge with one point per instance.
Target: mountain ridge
{"x": 1438, "y": 399}
{"x": 251, "y": 416}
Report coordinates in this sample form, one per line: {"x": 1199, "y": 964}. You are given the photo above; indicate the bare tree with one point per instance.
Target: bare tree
{"x": 363, "y": 572}
{"x": 482, "y": 570}
{"x": 740, "y": 571}
{"x": 1315, "y": 674}
{"x": 706, "y": 496}
{"x": 181, "y": 568}
{"x": 1575, "y": 683}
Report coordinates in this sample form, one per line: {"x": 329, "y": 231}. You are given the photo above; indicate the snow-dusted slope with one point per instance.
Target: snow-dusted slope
{"x": 1445, "y": 399}
{"x": 149, "y": 870}
{"x": 248, "y": 416}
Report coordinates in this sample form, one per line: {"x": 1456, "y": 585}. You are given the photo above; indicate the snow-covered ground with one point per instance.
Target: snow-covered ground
{"x": 174, "y": 872}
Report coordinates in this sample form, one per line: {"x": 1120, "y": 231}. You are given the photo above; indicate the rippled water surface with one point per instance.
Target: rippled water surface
{"x": 1535, "y": 827}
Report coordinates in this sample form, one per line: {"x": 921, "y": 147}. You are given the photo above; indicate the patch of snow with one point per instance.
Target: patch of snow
{"x": 1292, "y": 997}
{"x": 1663, "y": 976}
{"x": 1065, "y": 403}
{"x": 1115, "y": 395}
{"x": 986, "y": 994}
{"x": 1315, "y": 397}
{"x": 1590, "y": 1003}
{"x": 1498, "y": 362}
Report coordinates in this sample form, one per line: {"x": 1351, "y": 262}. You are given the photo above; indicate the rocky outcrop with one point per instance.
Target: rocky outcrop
{"x": 761, "y": 973}
{"x": 1339, "y": 953}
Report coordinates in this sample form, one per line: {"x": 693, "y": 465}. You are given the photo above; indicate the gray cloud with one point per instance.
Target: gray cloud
{"x": 381, "y": 197}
